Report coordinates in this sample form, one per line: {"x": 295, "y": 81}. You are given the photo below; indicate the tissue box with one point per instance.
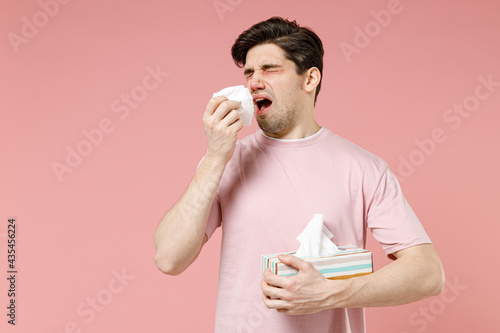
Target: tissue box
{"x": 350, "y": 261}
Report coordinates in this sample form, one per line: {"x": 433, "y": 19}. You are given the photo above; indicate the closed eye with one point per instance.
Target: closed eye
{"x": 271, "y": 68}
{"x": 248, "y": 72}
{"x": 265, "y": 68}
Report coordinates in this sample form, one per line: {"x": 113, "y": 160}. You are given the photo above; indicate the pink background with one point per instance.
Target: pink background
{"x": 76, "y": 232}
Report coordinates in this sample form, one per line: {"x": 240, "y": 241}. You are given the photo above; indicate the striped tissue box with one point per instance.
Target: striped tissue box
{"x": 350, "y": 261}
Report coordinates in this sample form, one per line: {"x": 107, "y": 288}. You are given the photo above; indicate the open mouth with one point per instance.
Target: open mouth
{"x": 263, "y": 104}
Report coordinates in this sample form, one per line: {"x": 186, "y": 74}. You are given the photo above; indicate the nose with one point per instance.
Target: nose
{"x": 255, "y": 82}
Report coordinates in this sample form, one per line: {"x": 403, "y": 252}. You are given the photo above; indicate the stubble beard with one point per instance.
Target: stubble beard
{"x": 280, "y": 119}
{"x": 275, "y": 124}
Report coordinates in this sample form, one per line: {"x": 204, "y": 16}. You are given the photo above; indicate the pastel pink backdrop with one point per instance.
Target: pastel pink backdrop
{"x": 78, "y": 231}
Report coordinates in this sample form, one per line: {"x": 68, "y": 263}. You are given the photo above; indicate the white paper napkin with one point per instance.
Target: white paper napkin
{"x": 241, "y": 94}
{"x": 315, "y": 239}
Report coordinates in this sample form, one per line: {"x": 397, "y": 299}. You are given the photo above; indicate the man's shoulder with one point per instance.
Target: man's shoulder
{"x": 349, "y": 150}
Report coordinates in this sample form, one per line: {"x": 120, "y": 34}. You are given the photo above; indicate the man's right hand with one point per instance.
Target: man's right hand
{"x": 222, "y": 124}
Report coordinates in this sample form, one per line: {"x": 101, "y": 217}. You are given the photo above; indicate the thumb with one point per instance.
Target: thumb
{"x": 293, "y": 261}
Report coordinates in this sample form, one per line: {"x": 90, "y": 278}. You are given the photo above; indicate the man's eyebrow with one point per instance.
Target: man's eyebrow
{"x": 248, "y": 71}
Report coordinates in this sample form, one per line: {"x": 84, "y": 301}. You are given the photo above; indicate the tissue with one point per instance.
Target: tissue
{"x": 315, "y": 239}
{"x": 241, "y": 94}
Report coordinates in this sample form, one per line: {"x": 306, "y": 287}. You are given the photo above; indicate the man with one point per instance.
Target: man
{"x": 264, "y": 189}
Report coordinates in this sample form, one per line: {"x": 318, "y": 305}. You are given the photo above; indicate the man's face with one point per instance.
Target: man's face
{"x": 276, "y": 89}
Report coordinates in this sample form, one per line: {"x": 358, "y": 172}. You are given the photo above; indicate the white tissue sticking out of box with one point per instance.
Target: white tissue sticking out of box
{"x": 315, "y": 239}
{"x": 241, "y": 94}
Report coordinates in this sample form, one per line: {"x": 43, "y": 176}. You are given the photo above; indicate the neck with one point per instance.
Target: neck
{"x": 300, "y": 131}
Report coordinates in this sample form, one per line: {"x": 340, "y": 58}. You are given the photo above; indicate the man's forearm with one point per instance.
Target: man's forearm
{"x": 179, "y": 236}
{"x": 415, "y": 274}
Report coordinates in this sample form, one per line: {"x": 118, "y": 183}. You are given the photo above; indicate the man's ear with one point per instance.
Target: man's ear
{"x": 312, "y": 79}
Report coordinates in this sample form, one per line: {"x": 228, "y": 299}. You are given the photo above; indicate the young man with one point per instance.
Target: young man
{"x": 264, "y": 189}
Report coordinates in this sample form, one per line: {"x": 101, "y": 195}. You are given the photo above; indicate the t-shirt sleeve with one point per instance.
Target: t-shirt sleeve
{"x": 391, "y": 219}
{"x": 215, "y": 216}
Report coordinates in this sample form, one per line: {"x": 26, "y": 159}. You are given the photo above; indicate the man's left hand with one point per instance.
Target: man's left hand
{"x": 306, "y": 292}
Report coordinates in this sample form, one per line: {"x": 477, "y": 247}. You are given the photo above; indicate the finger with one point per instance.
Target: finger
{"x": 238, "y": 124}
{"x": 276, "y": 280}
{"x": 272, "y": 292}
{"x": 230, "y": 118}
{"x": 213, "y": 104}
{"x": 294, "y": 262}
{"x": 276, "y": 303}
{"x": 224, "y": 108}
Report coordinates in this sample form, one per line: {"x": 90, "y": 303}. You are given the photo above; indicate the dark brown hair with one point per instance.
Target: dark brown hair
{"x": 300, "y": 44}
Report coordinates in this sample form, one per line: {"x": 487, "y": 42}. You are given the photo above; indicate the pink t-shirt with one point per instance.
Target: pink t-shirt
{"x": 270, "y": 190}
